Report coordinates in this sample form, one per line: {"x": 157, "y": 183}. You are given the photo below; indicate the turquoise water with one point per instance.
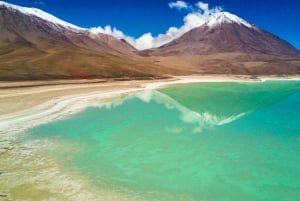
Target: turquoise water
{"x": 209, "y": 141}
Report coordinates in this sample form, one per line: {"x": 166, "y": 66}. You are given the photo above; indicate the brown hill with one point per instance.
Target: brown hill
{"x": 36, "y": 45}
{"x": 34, "y": 48}
{"x": 229, "y": 47}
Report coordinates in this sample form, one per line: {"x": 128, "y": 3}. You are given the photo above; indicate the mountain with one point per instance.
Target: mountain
{"x": 37, "y": 45}
{"x": 225, "y": 43}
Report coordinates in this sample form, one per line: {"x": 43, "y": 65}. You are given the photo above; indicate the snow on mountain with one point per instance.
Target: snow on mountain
{"x": 191, "y": 21}
{"x": 225, "y": 17}
{"x": 40, "y": 14}
{"x": 146, "y": 41}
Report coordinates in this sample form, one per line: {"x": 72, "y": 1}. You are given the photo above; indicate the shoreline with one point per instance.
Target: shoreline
{"x": 37, "y": 101}
{"x": 22, "y": 164}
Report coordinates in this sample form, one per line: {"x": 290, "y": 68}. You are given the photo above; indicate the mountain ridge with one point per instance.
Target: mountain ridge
{"x": 212, "y": 20}
{"x": 39, "y": 13}
{"x": 34, "y": 48}
{"x": 227, "y": 44}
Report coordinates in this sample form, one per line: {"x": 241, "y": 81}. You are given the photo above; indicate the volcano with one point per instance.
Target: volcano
{"x": 225, "y": 43}
{"x": 35, "y": 45}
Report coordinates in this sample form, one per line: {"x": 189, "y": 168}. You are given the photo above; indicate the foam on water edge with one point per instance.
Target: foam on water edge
{"x": 71, "y": 186}
{"x": 22, "y": 168}
{"x": 44, "y": 176}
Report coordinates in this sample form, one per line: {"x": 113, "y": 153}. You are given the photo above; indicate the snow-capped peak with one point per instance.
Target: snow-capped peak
{"x": 225, "y": 17}
{"x": 40, "y": 14}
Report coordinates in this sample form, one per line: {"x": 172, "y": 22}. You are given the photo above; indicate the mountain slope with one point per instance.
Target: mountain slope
{"x": 32, "y": 47}
{"x": 33, "y": 25}
{"x": 37, "y": 45}
{"x": 228, "y": 44}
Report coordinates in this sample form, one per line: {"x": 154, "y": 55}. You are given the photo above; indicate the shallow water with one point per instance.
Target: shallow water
{"x": 208, "y": 141}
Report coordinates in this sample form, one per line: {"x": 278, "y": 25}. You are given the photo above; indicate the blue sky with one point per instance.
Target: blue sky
{"x": 134, "y": 18}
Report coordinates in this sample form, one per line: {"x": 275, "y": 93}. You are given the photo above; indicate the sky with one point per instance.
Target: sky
{"x": 147, "y": 23}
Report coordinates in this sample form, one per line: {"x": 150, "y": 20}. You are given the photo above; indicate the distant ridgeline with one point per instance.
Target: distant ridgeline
{"x": 37, "y": 45}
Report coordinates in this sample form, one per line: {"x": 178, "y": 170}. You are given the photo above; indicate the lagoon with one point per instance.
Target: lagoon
{"x": 208, "y": 141}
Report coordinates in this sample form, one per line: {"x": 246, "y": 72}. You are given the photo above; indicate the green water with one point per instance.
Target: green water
{"x": 212, "y": 142}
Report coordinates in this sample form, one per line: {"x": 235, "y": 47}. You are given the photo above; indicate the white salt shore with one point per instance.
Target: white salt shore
{"x": 66, "y": 105}
{"x": 21, "y": 165}
{"x": 70, "y": 104}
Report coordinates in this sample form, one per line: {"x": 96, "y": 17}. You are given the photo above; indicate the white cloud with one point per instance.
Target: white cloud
{"x": 197, "y": 17}
{"x": 178, "y": 5}
{"x": 108, "y": 30}
{"x": 203, "y": 6}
